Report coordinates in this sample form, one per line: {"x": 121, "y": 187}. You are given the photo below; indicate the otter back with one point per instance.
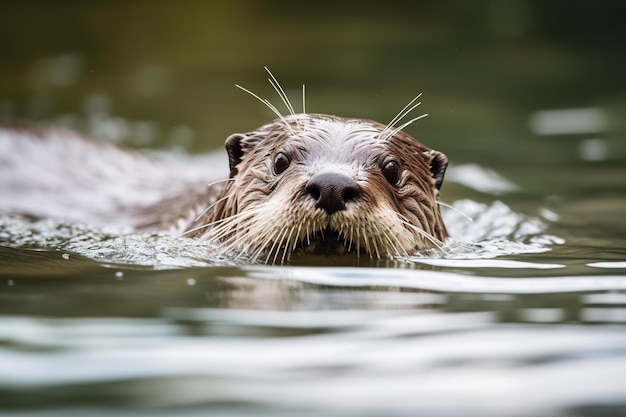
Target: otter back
{"x": 55, "y": 173}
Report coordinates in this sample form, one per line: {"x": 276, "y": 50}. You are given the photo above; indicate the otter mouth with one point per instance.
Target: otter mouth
{"x": 325, "y": 242}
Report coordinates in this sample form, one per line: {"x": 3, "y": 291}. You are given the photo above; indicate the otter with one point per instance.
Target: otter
{"x": 302, "y": 183}
{"x": 323, "y": 184}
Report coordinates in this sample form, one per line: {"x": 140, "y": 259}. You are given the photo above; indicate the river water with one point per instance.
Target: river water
{"x": 523, "y": 313}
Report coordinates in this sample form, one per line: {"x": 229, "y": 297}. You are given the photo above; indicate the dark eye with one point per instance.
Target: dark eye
{"x": 391, "y": 171}
{"x": 281, "y": 163}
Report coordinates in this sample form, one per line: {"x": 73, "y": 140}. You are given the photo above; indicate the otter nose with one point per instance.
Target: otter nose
{"x": 332, "y": 191}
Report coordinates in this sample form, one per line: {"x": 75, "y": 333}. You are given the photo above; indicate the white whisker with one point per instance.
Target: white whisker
{"x": 195, "y": 229}
{"x": 456, "y": 210}
{"x": 218, "y": 225}
{"x": 281, "y": 93}
{"x": 263, "y": 246}
{"x": 218, "y": 181}
{"x": 287, "y": 244}
{"x": 401, "y": 114}
{"x": 439, "y": 244}
{"x": 269, "y": 106}
{"x": 210, "y": 207}
{"x": 279, "y": 241}
{"x": 404, "y": 125}
{"x": 368, "y": 249}
{"x": 350, "y": 241}
{"x": 393, "y": 245}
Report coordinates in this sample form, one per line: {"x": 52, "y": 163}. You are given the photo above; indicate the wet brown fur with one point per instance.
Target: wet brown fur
{"x": 269, "y": 216}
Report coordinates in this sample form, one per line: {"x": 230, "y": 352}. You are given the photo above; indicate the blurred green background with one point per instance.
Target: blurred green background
{"x": 162, "y": 73}
{"x": 532, "y": 89}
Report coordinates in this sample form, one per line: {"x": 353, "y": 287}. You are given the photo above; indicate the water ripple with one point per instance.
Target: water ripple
{"x": 441, "y": 281}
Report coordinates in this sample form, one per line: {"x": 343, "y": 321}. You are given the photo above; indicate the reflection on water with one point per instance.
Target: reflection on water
{"x": 480, "y": 179}
{"x": 327, "y": 341}
{"x": 569, "y": 121}
{"x": 619, "y": 265}
{"x": 335, "y": 350}
{"x": 80, "y": 339}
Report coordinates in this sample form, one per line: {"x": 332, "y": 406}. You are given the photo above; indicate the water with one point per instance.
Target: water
{"x": 522, "y": 314}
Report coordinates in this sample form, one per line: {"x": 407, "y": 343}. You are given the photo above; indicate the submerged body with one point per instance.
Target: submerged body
{"x": 306, "y": 183}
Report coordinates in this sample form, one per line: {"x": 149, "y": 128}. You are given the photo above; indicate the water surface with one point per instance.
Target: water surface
{"x": 522, "y": 314}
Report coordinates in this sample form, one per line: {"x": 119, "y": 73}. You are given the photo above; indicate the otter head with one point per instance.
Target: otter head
{"x": 321, "y": 184}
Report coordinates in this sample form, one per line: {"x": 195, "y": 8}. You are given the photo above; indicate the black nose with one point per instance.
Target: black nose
{"x": 332, "y": 191}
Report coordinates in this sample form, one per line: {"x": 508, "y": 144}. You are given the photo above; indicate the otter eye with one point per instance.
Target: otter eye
{"x": 281, "y": 163}
{"x": 391, "y": 171}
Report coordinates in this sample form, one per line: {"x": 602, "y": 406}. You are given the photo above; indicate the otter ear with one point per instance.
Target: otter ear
{"x": 237, "y": 145}
{"x": 438, "y": 165}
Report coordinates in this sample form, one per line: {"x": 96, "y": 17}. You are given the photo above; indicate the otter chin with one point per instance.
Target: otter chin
{"x": 321, "y": 184}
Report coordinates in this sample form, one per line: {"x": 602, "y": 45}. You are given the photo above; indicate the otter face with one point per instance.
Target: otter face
{"x": 314, "y": 183}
